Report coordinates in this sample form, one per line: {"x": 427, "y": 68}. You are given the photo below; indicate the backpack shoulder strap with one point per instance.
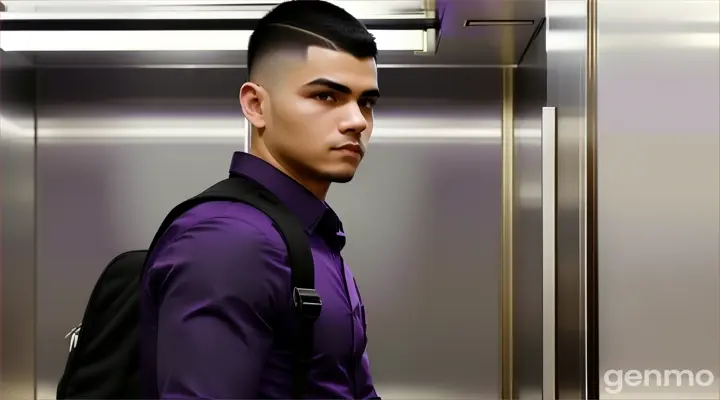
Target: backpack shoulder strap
{"x": 306, "y": 301}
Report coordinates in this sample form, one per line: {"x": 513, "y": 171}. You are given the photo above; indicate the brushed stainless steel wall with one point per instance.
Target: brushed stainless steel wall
{"x": 118, "y": 148}
{"x": 17, "y": 228}
{"x": 529, "y": 99}
{"x": 658, "y": 146}
{"x": 567, "y": 73}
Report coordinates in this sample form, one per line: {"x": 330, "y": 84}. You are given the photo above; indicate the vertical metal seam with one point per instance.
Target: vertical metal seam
{"x": 549, "y": 253}
{"x": 592, "y": 355}
{"x": 506, "y": 324}
{"x": 507, "y": 341}
{"x": 36, "y": 141}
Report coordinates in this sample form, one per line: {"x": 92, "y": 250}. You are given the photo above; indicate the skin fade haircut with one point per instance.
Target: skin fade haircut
{"x": 294, "y": 26}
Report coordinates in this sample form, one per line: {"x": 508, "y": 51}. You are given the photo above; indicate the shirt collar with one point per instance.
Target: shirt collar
{"x": 309, "y": 209}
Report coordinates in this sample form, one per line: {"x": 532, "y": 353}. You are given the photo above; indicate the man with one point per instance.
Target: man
{"x": 218, "y": 284}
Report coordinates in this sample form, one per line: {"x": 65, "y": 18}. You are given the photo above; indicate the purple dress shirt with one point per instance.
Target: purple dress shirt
{"x": 216, "y": 303}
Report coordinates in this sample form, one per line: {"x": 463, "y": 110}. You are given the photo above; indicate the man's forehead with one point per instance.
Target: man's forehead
{"x": 337, "y": 66}
{"x": 296, "y": 67}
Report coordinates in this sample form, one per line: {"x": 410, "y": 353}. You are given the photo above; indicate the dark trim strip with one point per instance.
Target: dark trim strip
{"x": 591, "y": 268}
{"x": 471, "y": 23}
{"x": 186, "y": 24}
{"x": 534, "y": 36}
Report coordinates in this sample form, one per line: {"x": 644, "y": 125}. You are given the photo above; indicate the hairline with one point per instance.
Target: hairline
{"x": 331, "y": 45}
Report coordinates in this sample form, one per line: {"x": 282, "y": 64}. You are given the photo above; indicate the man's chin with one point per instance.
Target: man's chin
{"x": 339, "y": 176}
{"x": 342, "y": 178}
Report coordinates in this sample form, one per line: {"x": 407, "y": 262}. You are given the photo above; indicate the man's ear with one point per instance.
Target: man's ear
{"x": 252, "y": 97}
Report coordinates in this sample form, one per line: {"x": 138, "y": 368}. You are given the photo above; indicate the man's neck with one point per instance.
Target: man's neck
{"x": 319, "y": 189}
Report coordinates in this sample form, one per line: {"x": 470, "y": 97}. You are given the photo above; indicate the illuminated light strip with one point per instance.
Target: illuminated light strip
{"x": 575, "y": 41}
{"x": 185, "y": 15}
{"x": 387, "y": 40}
{"x": 27, "y": 9}
{"x": 238, "y": 134}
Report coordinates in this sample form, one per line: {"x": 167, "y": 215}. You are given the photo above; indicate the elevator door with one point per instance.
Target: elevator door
{"x": 117, "y": 148}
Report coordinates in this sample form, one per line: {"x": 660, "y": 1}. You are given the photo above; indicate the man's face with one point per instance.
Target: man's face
{"x": 319, "y": 114}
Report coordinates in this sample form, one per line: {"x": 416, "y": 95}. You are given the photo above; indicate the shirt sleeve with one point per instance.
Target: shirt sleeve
{"x": 220, "y": 290}
{"x": 366, "y": 386}
{"x": 367, "y": 389}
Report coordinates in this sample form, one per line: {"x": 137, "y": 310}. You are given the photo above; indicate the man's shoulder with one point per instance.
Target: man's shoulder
{"x": 225, "y": 245}
{"x": 235, "y": 227}
{"x": 239, "y": 220}
{"x": 221, "y": 231}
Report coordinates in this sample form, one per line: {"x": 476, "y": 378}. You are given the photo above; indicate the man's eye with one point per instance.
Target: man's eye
{"x": 325, "y": 97}
{"x": 369, "y": 103}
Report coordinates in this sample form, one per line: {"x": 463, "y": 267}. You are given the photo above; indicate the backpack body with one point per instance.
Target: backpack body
{"x": 104, "y": 348}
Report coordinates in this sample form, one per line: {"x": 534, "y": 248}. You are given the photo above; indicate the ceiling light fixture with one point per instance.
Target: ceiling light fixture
{"x": 187, "y": 25}
{"x": 220, "y": 40}
{"x": 39, "y": 9}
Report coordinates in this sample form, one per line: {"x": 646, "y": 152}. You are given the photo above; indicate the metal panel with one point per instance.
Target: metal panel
{"x": 567, "y": 50}
{"x": 658, "y": 194}
{"x": 17, "y": 228}
{"x": 530, "y": 82}
{"x": 118, "y": 148}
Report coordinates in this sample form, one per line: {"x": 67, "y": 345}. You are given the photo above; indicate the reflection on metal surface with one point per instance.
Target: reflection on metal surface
{"x": 529, "y": 98}
{"x": 243, "y": 66}
{"x": 575, "y": 41}
{"x": 549, "y": 217}
{"x": 17, "y": 230}
{"x": 566, "y": 89}
{"x": 224, "y": 127}
{"x": 507, "y": 342}
{"x": 658, "y": 190}
{"x": 508, "y": 146}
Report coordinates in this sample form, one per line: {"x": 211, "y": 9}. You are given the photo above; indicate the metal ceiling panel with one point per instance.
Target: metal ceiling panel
{"x": 498, "y": 33}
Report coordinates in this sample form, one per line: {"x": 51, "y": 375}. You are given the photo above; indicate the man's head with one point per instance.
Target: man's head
{"x": 312, "y": 88}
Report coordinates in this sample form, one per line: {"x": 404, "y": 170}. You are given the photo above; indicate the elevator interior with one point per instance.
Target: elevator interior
{"x": 98, "y": 145}
{"x": 448, "y": 218}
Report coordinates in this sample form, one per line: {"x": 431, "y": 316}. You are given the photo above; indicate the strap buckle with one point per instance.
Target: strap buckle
{"x": 307, "y": 303}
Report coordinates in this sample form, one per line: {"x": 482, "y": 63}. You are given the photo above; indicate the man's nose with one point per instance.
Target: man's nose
{"x": 354, "y": 121}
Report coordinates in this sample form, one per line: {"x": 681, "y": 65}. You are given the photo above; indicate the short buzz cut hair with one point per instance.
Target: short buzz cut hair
{"x": 304, "y": 23}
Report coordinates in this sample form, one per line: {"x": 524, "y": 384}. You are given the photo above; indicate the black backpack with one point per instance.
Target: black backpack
{"x": 104, "y": 351}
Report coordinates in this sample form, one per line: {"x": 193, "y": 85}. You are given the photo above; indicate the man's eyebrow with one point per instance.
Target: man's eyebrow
{"x": 339, "y": 87}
